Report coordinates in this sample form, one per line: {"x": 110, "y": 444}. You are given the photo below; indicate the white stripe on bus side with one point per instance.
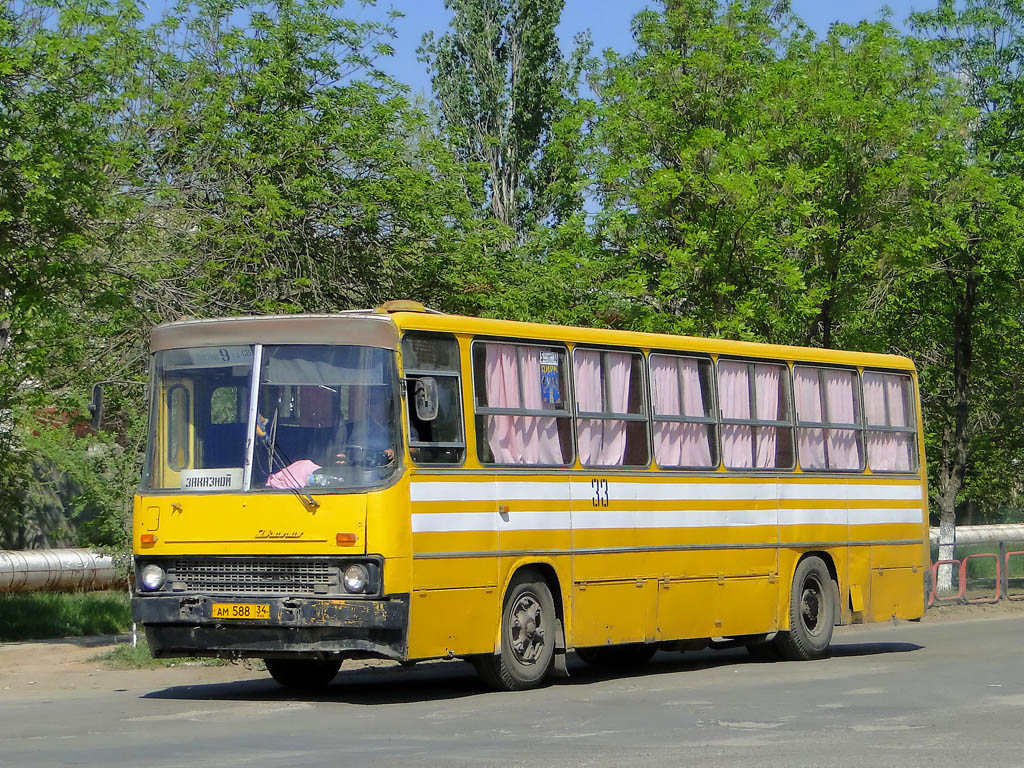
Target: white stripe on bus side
{"x": 601, "y": 519}
{"x": 666, "y": 491}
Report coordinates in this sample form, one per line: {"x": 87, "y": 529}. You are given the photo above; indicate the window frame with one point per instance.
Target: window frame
{"x": 407, "y": 377}
{"x": 568, "y": 397}
{"x": 644, "y": 415}
{"x": 860, "y": 413}
{"x": 910, "y": 429}
{"x": 712, "y": 408}
{"x": 786, "y": 387}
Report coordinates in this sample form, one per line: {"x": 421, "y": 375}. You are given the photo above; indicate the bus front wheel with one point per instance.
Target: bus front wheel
{"x": 527, "y": 637}
{"x": 812, "y": 613}
{"x": 303, "y": 674}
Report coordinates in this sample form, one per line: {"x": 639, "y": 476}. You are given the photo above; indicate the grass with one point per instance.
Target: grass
{"x": 51, "y": 615}
{"x": 48, "y": 615}
{"x": 985, "y": 567}
{"x": 123, "y": 656}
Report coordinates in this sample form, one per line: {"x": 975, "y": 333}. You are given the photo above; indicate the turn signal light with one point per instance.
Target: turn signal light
{"x": 148, "y": 539}
{"x": 346, "y": 539}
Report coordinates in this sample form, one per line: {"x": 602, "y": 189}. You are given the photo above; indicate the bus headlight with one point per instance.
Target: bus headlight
{"x": 356, "y": 578}
{"x": 152, "y": 577}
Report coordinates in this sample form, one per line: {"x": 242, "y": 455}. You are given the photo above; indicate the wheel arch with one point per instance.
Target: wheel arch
{"x": 545, "y": 569}
{"x": 833, "y": 573}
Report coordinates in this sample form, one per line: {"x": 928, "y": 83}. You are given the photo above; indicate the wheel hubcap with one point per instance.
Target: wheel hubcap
{"x": 810, "y": 606}
{"x": 525, "y": 629}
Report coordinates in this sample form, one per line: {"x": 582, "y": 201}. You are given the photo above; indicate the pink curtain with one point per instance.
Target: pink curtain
{"x": 602, "y": 442}
{"x": 518, "y": 439}
{"x": 740, "y": 449}
{"x": 843, "y": 451}
{"x": 734, "y": 399}
{"x": 590, "y": 432}
{"x": 295, "y": 475}
{"x": 678, "y": 444}
{"x": 888, "y": 451}
{"x": 502, "y": 389}
{"x": 810, "y": 440}
{"x": 766, "y": 382}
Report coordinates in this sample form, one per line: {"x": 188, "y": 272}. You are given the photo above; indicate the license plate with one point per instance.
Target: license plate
{"x": 240, "y": 611}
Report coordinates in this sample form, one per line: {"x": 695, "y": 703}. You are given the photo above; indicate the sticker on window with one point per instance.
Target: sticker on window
{"x": 229, "y": 479}
{"x": 550, "y": 381}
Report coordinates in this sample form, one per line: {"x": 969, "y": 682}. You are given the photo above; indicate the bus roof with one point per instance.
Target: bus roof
{"x": 479, "y": 326}
{"x": 381, "y": 328}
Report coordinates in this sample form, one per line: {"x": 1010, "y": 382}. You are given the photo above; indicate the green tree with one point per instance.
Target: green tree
{"x": 750, "y": 176}
{"x": 286, "y": 171}
{"x": 67, "y": 68}
{"x": 501, "y": 86}
{"x": 970, "y": 246}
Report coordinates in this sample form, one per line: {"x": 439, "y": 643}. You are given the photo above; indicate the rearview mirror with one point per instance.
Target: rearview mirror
{"x": 425, "y": 396}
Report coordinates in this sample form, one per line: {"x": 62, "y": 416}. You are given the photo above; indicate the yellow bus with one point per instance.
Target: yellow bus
{"x": 404, "y": 484}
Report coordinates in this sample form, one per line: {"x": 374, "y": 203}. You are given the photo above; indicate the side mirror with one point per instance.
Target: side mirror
{"x": 96, "y": 407}
{"x": 425, "y": 396}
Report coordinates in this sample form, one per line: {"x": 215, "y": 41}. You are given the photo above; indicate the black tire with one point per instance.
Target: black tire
{"x": 527, "y": 637}
{"x": 622, "y": 656}
{"x": 302, "y": 674}
{"x": 812, "y": 612}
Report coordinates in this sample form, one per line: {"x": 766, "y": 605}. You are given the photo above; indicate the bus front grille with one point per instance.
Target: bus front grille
{"x": 254, "y": 576}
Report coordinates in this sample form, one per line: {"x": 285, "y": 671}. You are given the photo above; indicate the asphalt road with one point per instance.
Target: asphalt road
{"x": 905, "y": 696}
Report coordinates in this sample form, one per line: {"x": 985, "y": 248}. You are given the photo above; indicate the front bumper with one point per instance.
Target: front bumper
{"x": 182, "y": 625}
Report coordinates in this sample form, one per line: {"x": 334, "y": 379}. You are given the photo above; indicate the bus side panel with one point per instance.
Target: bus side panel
{"x": 453, "y": 622}
{"x": 455, "y": 595}
{"x": 886, "y": 516}
{"x": 614, "y": 611}
{"x": 897, "y": 583}
{"x": 454, "y": 531}
{"x": 708, "y": 544}
{"x": 688, "y": 607}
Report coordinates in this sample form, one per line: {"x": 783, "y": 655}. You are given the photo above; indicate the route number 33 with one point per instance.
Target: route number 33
{"x": 600, "y": 488}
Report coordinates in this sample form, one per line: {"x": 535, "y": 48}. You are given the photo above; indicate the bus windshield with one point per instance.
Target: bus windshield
{"x": 325, "y": 417}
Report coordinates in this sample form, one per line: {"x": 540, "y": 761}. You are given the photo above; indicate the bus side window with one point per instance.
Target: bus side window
{"x": 685, "y": 428}
{"x": 891, "y": 422}
{"x": 522, "y": 409}
{"x": 611, "y": 410}
{"x": 757, "y": 428}
{"x": 441, "y": 439}
{"x": 828, "y": 418}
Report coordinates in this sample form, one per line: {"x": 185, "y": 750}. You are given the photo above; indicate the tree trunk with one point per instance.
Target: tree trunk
{"x": 954, "y": 439}
{"x": 946, "y": 502}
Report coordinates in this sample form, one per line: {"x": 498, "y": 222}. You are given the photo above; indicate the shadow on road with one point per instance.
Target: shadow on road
{"x": 445, "y": 680}
{"x": 870, "y": 649}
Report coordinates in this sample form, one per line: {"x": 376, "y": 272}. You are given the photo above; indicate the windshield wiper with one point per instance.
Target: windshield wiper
{"x": 273, "y": 452}
{"x": 307, "y": 500}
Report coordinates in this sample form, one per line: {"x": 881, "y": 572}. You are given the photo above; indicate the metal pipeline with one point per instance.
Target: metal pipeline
{"x": 980, "y": 534}
{"x": 56, "y": 569}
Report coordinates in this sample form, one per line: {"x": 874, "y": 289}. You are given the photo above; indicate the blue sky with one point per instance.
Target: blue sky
{"x": 607, "y": 20}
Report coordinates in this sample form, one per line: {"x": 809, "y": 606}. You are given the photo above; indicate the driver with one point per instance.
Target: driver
{"x": 376, "y": 434}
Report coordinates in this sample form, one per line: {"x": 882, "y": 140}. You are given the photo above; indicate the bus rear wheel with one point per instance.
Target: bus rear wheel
{"x": 812, "y": 613}
{"x": 302, "y": 674}
{"x": 527, "y": 637}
